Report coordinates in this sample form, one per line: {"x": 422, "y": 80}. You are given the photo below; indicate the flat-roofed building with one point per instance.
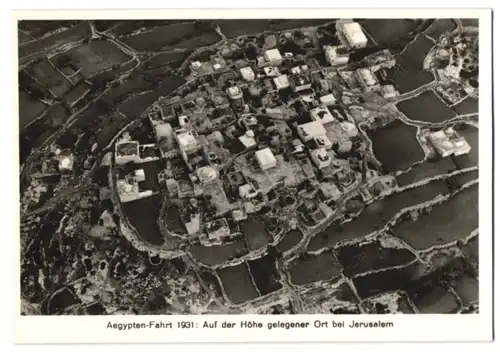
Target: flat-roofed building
{"x": 327, "y": 100}
{"x": 330, "y": 191}
{"x": 187, "y": 141}
{"x": 321, "y": 158}
{"x": 140, "y": 175}
{"x": 322, "y": 114}
{"x": 273, "y": 57}
{"x": 336, "y": 55}
{"x": 248, "y": 139}
{"x": 367, "y": 80}
{"x": 310, "y": 130}
{"x": 441, "y": 142}
{"x": 353, "y": 33}
{"x": 66, "y": 161}
{"x": 126, "y": 151}
{"x": 272, "y": 71}
{"x": 322, "y": 142}
{"x": 218, "y": 229}
{"x": 388, "y": 91}
{"x": 349, "y": 129}
{"x": 247, "y": 191}
{"x": 247, "y": 73}
{"x": 281, "y": 82}
{"x": 234, "y": 93}
{"x": 301, "y": 82}
{"x": 265, "y": 158}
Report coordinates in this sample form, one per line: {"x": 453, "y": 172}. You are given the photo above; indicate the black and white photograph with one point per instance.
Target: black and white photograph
{"x": 259, "y": 166}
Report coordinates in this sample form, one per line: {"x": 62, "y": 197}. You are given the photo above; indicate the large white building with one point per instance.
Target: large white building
{"x": 281, "y": 82}
{"x": 353, "y": 33}
{"x": 265, "y": 158}
{"x": 187, "y": 141}
{"x": 327, "y": 100}
{"x": 336, "y": 55}
{"x": 273, "y": 57}
{"x": 367, "y": 80}
{"x": 234, "y": 93}
{"x": 247, "y": 73}
{"x": 310, "y": 130}
{"x": 448, "y": 142}
{"x": 248, "y": 139}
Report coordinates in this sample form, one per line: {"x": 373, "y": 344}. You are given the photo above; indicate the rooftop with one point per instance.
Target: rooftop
{"x": 272, "y": 55}
{"x": 127, "y": 148}
{"x": 322, "y": 114}
{"x": 354, "y": 33}
{"x": 265, "y": 158}
{"x": 311, "y": 129}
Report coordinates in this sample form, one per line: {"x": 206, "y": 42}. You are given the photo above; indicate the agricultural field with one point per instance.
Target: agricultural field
{"x": 216, "y": 255}
{"x": 328, "y": 300}
{"x": 162, "y": 36}
{"x": 426, "y": 169}
{"x": 29, "y": 109}
{"x": 256, "y": 235}
{"x": 173, "y": 220}
{"x": 446, "y": 222}
{"x": 236, "y": 28}
{"x": 471, "y": 251}
{"x": 471, "y": 135}
{"x": 49, "y": 77}
{"x": 436, "y": 300}
{"x": 163, "y": 59}
{"x": 389, "y": 303}
{"x": 237, "y": 283}
{"x": 385, "y": 31}
{"x": 467, "y": 106}
{"x": 359, "y": 259}
{"x": 291, "y": 239}
{"x": 415, "y": 53}
{"x": 265, "y": 275}
{"x": 36, "y": 49}
{"x": 467, "y": 288}
{"x": 400, "y": 136}
{"x": 440, "y": 26}
{"x": 77, "y": 92}
{"x": 23, "y": 37}
{"x": 93, "y": 58}
{"x": 469, "y": 22}
{"x": 407, "y": 80}
{"x": 385, "y": 281}
{"x": 143, "y": 216}
{"x": 311, "y": 268}
{"x": 376, "y": 215}
{"x": 37, "y": 29}
{"x": 426, "y": 107}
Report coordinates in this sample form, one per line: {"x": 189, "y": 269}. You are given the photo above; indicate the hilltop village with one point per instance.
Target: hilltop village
{"x": 305, "y": 170}
{"x": 271, "y": 135}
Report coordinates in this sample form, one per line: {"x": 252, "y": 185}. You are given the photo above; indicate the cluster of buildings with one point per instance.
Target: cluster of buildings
{"x": 273, "y": 121}
{"x": 447, "y": 142}
{"x": 136, "y": 177}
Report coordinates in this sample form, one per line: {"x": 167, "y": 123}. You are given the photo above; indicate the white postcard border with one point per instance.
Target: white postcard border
{"x": 94, "y": 329}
